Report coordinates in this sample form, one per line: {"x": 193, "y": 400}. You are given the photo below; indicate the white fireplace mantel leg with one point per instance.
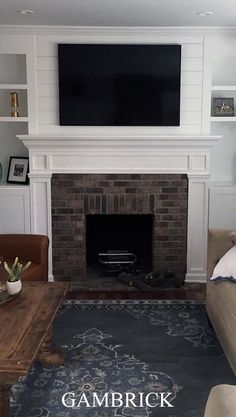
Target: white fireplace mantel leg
{"x": 41, "y": 218}
{"x": 197, "y": 228}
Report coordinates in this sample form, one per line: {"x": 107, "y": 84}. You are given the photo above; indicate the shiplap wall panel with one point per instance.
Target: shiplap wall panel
{"x": 190, "y": 118}
{"x": 48, "y": 90}
{"x": 191, "y": 104}
{"x": 47, "y": 103}
{"x": 191, "y": 91}
{"x": 191, "y": 81}
{"x": 192, "y": 64}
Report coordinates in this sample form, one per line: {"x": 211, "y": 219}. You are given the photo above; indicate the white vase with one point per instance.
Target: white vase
{"x": 14, "y": 287}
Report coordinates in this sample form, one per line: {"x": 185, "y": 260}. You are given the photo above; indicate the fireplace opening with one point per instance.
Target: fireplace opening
{"x": 117, "y": 243}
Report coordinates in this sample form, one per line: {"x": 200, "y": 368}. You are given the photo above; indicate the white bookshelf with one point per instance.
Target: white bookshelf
{"x": 13, "y": 78}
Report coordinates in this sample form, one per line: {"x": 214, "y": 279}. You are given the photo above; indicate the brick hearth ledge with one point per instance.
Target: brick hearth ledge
{"x": 128, "y": 151}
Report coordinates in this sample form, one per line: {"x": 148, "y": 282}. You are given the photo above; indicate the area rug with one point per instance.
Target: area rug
{"x": 163, "y": 348}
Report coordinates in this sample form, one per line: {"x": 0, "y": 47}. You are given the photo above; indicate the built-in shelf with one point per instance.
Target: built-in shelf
{"x": 13, "y": 119}
{"x": 13, "y": 86}
{"x": 223, "y": 119}
{"x": 223, "y": 87}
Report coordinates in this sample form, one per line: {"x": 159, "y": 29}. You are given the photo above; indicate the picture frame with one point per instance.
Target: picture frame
{"x": 223, "y": 106}
{"x": 18, "y": 170}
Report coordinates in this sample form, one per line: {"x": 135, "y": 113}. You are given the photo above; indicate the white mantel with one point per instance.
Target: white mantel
{"x": 124, "y": 150}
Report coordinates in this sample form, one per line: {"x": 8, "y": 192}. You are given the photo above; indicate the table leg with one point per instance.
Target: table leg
{"x": 49, "y": 354}
{"x": 5, "y": 391}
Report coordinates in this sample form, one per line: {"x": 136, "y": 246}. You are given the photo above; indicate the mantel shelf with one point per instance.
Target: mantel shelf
{"x": 223, "y": 87}
{"x": 132, "y": 139}
{"x": 223, "y": 119}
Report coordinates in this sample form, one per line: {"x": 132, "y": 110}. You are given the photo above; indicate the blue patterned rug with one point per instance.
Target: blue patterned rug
{"x": 127, "y": 347}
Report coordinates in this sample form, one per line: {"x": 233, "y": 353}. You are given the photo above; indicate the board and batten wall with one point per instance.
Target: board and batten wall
{"x": 191, "y": 120}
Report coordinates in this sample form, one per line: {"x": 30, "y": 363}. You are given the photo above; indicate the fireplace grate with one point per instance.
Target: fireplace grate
{"x": 115, "y": 261}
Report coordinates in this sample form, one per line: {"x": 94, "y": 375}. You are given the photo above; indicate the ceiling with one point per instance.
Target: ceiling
{"x": 119, "y": 12}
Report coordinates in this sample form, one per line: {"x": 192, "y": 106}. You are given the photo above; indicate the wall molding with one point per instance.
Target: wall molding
{"x": 135, "y": 31}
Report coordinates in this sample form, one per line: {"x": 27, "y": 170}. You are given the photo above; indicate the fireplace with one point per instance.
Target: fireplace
{"x": 119, "y": 243}
{"x": 90, "y": 213}
{"x": 114, "y": 151}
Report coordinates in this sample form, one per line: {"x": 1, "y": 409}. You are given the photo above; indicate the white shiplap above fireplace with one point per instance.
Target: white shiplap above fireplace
{"x": 124, "y": 151}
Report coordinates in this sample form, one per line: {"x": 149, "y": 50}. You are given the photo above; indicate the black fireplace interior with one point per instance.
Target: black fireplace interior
{"x": 117, "y": 233}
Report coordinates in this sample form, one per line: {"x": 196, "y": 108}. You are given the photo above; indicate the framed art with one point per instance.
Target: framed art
{"x": 223, "y": 107}
{"x": 18, "y": 170}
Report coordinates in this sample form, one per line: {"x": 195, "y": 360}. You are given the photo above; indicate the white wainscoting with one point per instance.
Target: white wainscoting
{"x": 222, "y": 206}
{"x": 14, "y": 209}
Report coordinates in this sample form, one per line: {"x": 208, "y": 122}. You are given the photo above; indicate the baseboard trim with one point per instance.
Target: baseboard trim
{"x": 50, "y": 278}
{"x": 195, "y": 278}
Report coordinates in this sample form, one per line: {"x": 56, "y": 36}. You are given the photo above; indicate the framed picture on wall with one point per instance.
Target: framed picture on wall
{"x": 223, "y": 107}
{"x": 18, "y": 170}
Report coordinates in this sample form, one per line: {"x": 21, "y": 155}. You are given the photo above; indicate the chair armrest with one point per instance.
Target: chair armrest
{"x": 32, "y": 248}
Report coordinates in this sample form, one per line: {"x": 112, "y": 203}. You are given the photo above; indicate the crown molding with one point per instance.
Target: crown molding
{"x": 125, "y": 31}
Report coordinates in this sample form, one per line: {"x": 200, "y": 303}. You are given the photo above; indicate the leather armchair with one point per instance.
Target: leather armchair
{"x": 32, "y": 248}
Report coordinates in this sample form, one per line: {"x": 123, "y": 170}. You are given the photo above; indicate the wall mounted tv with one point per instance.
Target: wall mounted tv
{"x": 119, "y": 85}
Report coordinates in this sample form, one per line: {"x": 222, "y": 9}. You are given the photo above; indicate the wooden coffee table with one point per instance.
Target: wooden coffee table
{"x": 26, "y": 334}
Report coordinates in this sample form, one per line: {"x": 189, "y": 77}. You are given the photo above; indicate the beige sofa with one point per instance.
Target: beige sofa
{"x": 221, "y": 297}
{"x": 221, "y": 310}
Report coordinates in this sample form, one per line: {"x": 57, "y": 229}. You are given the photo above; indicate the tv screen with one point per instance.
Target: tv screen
{"x": 119, "y": 85}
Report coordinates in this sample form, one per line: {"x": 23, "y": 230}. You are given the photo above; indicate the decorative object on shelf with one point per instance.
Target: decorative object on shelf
{"x": 223, "y": 107}
{"x": 18, "y": 170}
{"x": 14, "y": 284}
{"x": 14, "y": 104}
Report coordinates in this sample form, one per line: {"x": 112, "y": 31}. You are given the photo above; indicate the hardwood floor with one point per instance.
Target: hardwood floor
{"x": 187, "y": 292}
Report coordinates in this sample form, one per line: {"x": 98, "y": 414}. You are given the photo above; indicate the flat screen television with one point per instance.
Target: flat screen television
{"x": 119, "y": 85}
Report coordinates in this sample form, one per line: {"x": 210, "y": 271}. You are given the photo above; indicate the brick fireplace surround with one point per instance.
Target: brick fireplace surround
{"x": 131, "y": 151}
{"x": 76, "y": 195}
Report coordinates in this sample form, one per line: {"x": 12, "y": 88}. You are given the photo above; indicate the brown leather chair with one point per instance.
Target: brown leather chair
{"x": 32, "y": 248}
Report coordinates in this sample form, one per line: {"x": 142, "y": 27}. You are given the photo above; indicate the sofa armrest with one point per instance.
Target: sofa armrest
{"x": 221, "y": 401}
